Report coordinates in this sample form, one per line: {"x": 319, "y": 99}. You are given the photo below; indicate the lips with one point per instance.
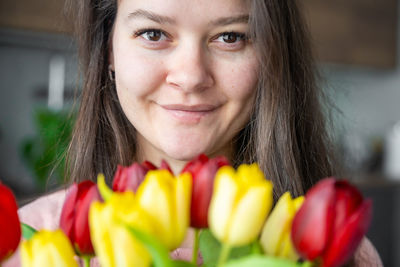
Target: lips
{"x": 189, "y": 113}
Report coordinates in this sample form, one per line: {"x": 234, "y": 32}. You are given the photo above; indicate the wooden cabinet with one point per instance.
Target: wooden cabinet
{"x": 357, "y": 32}
{"x": 36, "y": 15}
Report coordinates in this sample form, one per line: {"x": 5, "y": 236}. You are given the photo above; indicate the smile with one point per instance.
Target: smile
{"x": 189, "y": 114}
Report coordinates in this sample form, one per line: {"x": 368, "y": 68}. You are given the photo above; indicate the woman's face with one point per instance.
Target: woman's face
{"x": 185, "y": 74}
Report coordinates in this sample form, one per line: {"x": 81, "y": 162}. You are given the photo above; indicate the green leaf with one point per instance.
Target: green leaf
{"x": 256, "y": 248}
{"x": 183, "y": 264}
{"x": 264, "y": 261}
{"x": 44, "y": 153}
{"x": 157, "y": 251}
{"x": 210, "y": 249}
{"x": 27, "y": 231}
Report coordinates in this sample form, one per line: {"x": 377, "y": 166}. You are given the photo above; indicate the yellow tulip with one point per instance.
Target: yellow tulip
{"x": 240, "y": 203}
{"x": 113, "y": 243}
{"x": 275, "y": 237}
{"x": 48, "y": 248}
{"x": 166, "y": 200}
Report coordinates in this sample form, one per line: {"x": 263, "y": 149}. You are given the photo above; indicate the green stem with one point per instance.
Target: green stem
{"x": 86, "y": 261}
{"x": 224, "y": 254}
{"x": 195, "y": 246}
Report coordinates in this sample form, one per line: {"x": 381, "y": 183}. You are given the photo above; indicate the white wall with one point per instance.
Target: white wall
{"x": 369, "y": 101}
{"x": 24, "y": 69}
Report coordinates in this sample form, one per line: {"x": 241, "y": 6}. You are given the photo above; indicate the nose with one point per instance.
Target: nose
{"x": 189, "y": 69}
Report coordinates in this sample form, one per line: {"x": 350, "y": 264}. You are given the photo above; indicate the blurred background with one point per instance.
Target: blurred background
{"x": 357, "y": 44}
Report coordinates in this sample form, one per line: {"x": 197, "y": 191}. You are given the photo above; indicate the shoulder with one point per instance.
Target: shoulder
{"x": 44, "y": 212}
{"x": 366, "y": 255}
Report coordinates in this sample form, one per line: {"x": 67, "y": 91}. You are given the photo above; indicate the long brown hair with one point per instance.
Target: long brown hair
{"x": 286, "y": 135}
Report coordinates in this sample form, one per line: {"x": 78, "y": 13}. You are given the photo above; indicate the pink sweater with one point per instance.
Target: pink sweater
{"x": 44, "y": 213}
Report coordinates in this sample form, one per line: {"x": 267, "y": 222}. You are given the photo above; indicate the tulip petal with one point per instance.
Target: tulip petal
{"x": 156, "y": 195}
{"x": 74, "y": 215}
{"x": 203, "y": 172}
{"x": 113, "y": 243}
{"x": 100, "y": 218}
{"x": 68, "y": 211}
{"x": 7, "y": 199}
{"x": 119, "y": 179}
{"x": 249, "y": 175}
{"x": 10, "y": 229}
{"x": 249, "y": 214}
{"x": 182, "y": 203}
{"x": 277, "y": 225}
{"x": 48, "y": 248}
{"x": 312, "y": 225}
{"x": 81, "y": 226}
{"x": 129, "y": 178}
{"x": 348, "y": 237}
{"x": 165, "y": 166}
{"x": 287, "y": 249}
{"x": 223, "y": 202}
{"x": 148, "y": 165}
{"x": 127, "y": 250}
{"x": 195, "y": 165}
{"x": 203, "y": 183}
{"x": 347, "y": 201}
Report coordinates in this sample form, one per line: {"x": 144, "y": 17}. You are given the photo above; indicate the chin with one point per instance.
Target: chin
{"x": 184, "y": 153}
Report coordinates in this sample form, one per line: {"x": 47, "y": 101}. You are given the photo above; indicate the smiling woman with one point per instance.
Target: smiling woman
{"x": 216, "y": 77}
{"x": 174, "y": 79}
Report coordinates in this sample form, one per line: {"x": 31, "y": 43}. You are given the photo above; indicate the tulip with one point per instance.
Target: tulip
{"x": 166, "y": 200}
{"x": 331, "y": 223}
{"x": 275, "y": 237}
{"x": 240, "y": 203}
{"x": 113, "y": 243}
{"x": 129, "y": 178}
{"x": 48, "y": 248}
{"x": 203, "y": 172}
{"x": 74, "y": 215}
{"x": 10, "y": 230}
{"x": 165, "y": 166}
{"x": 148, "y": 165}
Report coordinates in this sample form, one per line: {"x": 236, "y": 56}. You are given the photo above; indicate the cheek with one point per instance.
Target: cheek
{"x": 240, "y": 80}
{"x": 137, "y": 72}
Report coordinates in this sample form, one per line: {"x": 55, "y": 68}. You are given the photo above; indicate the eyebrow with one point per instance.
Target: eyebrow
{"x": 140, "y": 13}
{"x": 230, "y": 20}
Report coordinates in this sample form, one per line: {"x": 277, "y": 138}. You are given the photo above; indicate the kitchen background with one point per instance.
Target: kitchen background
{"x": 358, "y": 47}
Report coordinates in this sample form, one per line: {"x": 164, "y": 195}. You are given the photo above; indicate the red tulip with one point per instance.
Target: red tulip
{"x": 165, "y": 166}
{"x": 149, "y": 165}
{"x": 129, "y": 178}
{"x": 331, "y": 222}
{"x": 203, "y": 171}
{"x": 74, "y": 215}
{"x": 10, "y": 229}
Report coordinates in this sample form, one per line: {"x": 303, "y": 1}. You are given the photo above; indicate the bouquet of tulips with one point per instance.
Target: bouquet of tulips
{"x": 148, "y": 210}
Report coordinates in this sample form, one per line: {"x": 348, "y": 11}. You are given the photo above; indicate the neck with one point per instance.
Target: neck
{"x": 155, "y": 156}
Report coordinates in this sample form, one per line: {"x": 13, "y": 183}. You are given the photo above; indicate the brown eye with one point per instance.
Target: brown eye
{"x": 151, "y": 35}
{"x": 154, "y": 36}
{"x": 230, "y": 37}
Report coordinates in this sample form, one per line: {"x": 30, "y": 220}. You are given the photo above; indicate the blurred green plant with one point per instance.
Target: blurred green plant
{"x": 44, "y": 153}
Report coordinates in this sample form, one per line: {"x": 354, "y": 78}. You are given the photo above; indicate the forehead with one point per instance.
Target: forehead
{"x": 186, "y": 10}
